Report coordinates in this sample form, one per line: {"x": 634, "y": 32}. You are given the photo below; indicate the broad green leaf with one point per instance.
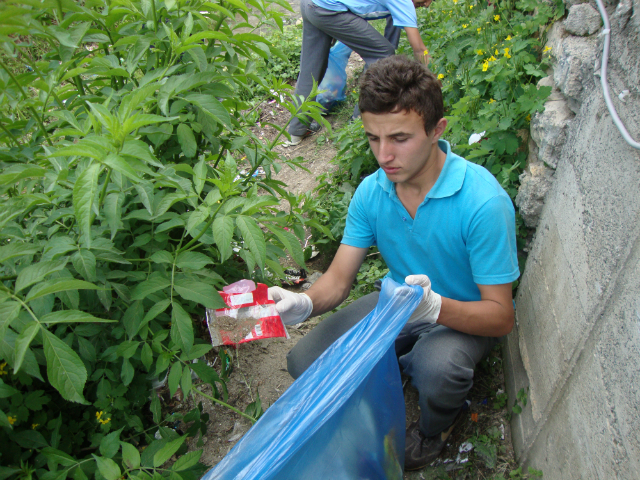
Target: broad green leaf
{"x": 72, "y": 316}
{"x": 17, "y": 249}
{"x": 211, "y": 106}
{"x": 112, "y": 210}
{"x": 119, "y": 164}
{"x": 108, "y": 468}
{"x": 156, "y": 310}
{"x": 149, "y": 286}
{"x": 167, "y": 451}
{"x": 38, "y": 271}
{"x": 146, "y": 356}
{"x": 168, "y": 200}
{"x": 185, "y": 381}
{"x": 186, "y": 461}
{"x": 145, "y": 192}
{"x": 187, "y": 140}
{"x": 4, "y": 422}
{"x": 193, "y": 260}
{"x": 253, "y": 238}
{"x": 290, "y": 242}
{"x": 197, "y": 351}
{"x": 65, "y": 370}
{"x": 57, "y": 456}
{"x": 30, "y": 439}
{"x": 110, "y": 444}
{"x": 84, "y": 192}
{"x": 199, "y": 292}
{"x": 133, "y": 318}
{"x": 181, "y": 327}
{"x": 16, "y": 173}
{"x": 199, "y": 176}
{"x": 174, "y": 378}
{"x": 205, "y": 372}
{"x": 130, "y": 456}
{"x": 22, "y": 344}
{"x": 58, "y": 285}
{"x": 127, "y": 372}
{"x": 8, "y": 312}
{"x": 85, "y": 264}
{"x": 162, "y": 256}
{"x": 127, "y": 349}
{"x": 6, "y": 390}
{"x": 223, "y": 235}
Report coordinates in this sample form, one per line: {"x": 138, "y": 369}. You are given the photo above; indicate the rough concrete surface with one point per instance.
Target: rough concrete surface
{"x": 576, "y": 345}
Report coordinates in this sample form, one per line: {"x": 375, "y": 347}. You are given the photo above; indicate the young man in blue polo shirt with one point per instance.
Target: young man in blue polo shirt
{"x": 347, "y": 21}
{"x": 440, "y": 222}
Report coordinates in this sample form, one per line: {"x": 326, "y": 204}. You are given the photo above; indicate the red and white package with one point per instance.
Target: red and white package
{"x": 250, "y": 315}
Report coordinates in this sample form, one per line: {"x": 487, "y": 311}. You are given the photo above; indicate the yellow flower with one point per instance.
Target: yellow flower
{"x": 496, "y": 18}
{"x": 491, "y": 101}
{"x": 506, "y": 53}
{"x": 440, "y": 76}
{"x": 464, "y": 25}
{"x": 528, "y": 118}
{"x": 546, "y": 49}
{"x": 492, "y": 58}
{"x": 426, "y": 52}
{"x": 479, "y": 29}
{"x": 34, "y": 425}
{"x": 104, "y": 422}
{"x": 479, "y": 52}
{"x": 509, "y": 37}
{"x": 2, "y": 370}
{"x": 496, "y": 52}
{"x": 455, "y": 1}
{"x": 485, "y": 66}
{"x": 98, "y": 415}
{"x": 12, "y": 420}
{"x": 470, "y": 7}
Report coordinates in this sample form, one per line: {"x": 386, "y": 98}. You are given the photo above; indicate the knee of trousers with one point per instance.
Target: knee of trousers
{"x": 294, "y": 365}
{"x": 440, "y": 376}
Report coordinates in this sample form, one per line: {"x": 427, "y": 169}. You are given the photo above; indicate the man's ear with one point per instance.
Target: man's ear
{"x": 440, "y": 128}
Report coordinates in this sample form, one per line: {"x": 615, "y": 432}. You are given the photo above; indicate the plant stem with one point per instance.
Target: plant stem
{"x": 155, "y": 16}
{"x": 213, "y": 399}
{"x": 15, "y": 140}
{"x": 197, "y": 237}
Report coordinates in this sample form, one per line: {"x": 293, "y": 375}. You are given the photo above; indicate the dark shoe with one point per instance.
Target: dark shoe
{"x": 314, "y": 127}
{"x": 420, "y": 451}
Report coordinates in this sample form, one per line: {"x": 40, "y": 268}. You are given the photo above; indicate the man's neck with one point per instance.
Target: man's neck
{"x": 422, "y": 185}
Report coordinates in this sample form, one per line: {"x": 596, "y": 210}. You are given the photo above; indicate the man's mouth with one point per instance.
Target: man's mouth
{"x": 390, "y": 169}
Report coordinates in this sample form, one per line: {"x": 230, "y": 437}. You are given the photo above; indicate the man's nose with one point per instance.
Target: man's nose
{"x": 386, "y": 152}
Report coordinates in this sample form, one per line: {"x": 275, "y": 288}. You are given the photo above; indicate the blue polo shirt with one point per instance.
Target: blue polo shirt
{"x": 403, "y": 12}
{"x": 463, "y": 233}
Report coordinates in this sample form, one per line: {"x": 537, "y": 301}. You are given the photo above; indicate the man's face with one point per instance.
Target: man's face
{"x": 421, "y": 3}
{"x": 400, "y": 144}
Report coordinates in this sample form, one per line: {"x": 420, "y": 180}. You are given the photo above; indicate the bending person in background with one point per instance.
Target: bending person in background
{"x": 440, "y": 222}
{"x": 347, "y": 21}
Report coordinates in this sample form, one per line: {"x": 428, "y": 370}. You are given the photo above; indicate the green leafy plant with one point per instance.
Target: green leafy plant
{"x": 124, "y": 211}
{"x": 520, "y": 401}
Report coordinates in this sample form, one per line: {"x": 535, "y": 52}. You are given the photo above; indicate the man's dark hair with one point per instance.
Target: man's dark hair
{"x": 397, "y": 83}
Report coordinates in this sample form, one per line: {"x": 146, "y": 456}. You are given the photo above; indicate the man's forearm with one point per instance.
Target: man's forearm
{"x": 327, "y": 293}
{"x": 417, "y": 45}
{"x": 487, "y": 318}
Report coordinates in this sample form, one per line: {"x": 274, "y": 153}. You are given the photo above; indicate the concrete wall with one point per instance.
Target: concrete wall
{"x": 576, "y": 346}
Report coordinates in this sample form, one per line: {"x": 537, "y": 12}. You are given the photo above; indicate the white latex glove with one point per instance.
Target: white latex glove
{"x": 428, "y": 310}
{"x": 292, "y": 307}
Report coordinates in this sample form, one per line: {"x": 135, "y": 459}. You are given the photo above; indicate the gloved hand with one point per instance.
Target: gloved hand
{"x": 292, "y": 307}
{"x": 428, "y": 310}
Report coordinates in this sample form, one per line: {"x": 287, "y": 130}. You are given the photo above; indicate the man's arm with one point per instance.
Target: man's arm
{"x": 492, "y": 316}
{"x": 333, "y": 287}
{"x": 415, "y": 40}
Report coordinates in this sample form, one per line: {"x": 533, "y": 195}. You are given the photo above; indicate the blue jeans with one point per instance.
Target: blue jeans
{"x": 439, "y": 360}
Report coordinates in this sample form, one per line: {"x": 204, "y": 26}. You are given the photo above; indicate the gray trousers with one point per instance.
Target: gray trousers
{"x": 319, "y": 27}
{"x": 439, "y": 360}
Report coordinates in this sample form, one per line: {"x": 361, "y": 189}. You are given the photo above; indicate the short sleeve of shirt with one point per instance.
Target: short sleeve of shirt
{"x": 358, "y": 231}
{"x": 491, "y": 243}
{"x": 403, "y": 13}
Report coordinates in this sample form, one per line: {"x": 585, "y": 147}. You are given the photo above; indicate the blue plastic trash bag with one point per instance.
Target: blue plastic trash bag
{"x": 335, "y": 78}
{"x": 344, "y": 417}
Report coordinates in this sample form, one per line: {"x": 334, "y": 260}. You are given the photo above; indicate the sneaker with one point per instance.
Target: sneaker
{"x": 314, "y": 127}
{"x": 420, "y": 451}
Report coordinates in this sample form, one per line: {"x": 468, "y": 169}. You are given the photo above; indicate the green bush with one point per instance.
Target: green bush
{"x": 123, "y": 212}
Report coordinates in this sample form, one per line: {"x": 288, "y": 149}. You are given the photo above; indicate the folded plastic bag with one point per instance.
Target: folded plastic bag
{"x": 250, "y": 315}
{"x": 335, "y": 78}
{"x": 344, "y": 417}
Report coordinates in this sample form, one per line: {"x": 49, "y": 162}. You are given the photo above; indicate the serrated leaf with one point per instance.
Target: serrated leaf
{"x": 4, "y": 422}
{"x": 84, "y": 192}
{"x": 187, "y": 140}
{"x": 186, "y": 461}
{"x": 112, "y": 210}
{"x": 6, "y": 390}
{"x": 108, "y": 468}
{"x": 65, "y": 370}
{"x": 127, "y": 349}
{"x": 57, "y": 456}
{"x": 211, "y": 106}
{"x": 120, "y": 165}
{"x": 181, "y": 327}
{"x": 290, "y": 242}
{"x": 22, "y": 344}
{"x": 167, "y": 451}
{"x": 149, "y": 286}
{"x": 130, "y": 456}
{"x": 110, "y": 444}
{"x": 133, "y": 318}
{"x": 72, "y": 316}
{"x": 222, "y": 229}
{"x": 161, "y": 256}
{"x": 127, "y": 372}
{"x": 253, "y": 238}
{"x": 145, "y": 192}
{"x": 58, "y": 285}
{"x": 85, "y": 264}
{"x": 37, "y": 272}
{"x": 193, "y": 260}
{"x": 17, "y": 249}
{"x": 197, "y": 351}
{"x": 185, "y": 381}
{"x": 199, "y": 292}
{"x": 8, "y": 312}
{"x": 156, "y": 310}
{"x": 146, "y": 356}
{"x": 174, "y": 378}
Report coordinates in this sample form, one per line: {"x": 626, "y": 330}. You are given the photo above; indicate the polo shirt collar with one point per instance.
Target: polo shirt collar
{"x": 449, "y": 182}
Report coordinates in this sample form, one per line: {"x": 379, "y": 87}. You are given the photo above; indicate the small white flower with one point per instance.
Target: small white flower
{"x": 476, "y": 137}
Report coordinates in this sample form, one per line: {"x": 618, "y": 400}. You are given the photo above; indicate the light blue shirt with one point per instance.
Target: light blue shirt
{"x": 403, "y": 12}
{"x": 463, "y": 233}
